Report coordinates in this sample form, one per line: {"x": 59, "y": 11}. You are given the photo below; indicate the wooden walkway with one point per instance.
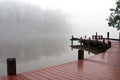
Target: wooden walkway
{"x": 104, "y": 66}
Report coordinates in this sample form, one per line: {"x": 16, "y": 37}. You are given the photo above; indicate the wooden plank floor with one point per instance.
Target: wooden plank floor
{"x": 104, "y": 66}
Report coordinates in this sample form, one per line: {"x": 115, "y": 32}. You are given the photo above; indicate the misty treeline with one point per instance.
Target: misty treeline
{"x": 21, "y": 20}
{"x": 22, "y": 27}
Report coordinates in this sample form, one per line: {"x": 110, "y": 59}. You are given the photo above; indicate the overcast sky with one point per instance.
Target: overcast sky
{"x": 85, "y": 14}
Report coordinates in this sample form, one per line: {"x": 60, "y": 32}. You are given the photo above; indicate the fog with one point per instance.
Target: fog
{"x": 28, "y": 32}
{"x": 22, "y": 21}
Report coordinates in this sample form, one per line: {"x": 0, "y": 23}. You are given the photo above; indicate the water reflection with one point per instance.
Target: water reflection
{"x": 26, "y": 52}
{"x": 87, "y": 48}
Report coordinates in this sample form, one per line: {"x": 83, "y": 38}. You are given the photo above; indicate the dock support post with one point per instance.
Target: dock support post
{"x": 89, "y": 38}
{"x": 119, "y": 36}
{"x": 101, "y": 36}
{"x": 72, "y": 41}
{"x": 96, "y": 35}
{"x": 11, "y": 66}
{"x": 109, "y": 43}
{"x": 80, "y": 54}
{"x": 108, "y": 35}
{"x": 80, "y": 39}
{"x": 92, "y": 36}
{"x": 103, "y": 41}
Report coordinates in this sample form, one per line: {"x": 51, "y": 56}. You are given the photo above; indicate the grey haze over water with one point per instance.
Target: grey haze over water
{"x": 20, "y": 21}
{"x": 24, "y": 28}
{"x": 32, "y": 35}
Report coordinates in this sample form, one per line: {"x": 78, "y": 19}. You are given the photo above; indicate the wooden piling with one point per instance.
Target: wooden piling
{"x": 72, "y": 41}
{"x": 89, "y": 38}
{"x": 103, "y": 41}
{"x": 11, "y": 66}
{"x": 93, "y": 36}
{"x": 101, "y": 36}
{"x": 96, "y": 33}
{"x": 80, "y": 54}
{"x": 108, "y": 35}
{"x": 98, "y": 36}
{"x": 119, "y": 36}
{"x": 109, "y": 43}
{"x": 81, "y": 42}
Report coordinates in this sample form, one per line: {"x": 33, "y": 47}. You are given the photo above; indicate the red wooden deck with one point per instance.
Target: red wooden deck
{"x": 104, "y": 66}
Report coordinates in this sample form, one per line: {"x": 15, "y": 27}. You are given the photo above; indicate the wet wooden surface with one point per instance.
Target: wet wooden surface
{"x": 104, "y": 66}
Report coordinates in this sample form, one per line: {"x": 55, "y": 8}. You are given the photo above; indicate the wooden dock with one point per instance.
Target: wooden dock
{"x": 103, "y": 66}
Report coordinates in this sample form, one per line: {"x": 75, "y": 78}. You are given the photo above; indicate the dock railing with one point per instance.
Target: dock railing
{"x": 97, "y": 41}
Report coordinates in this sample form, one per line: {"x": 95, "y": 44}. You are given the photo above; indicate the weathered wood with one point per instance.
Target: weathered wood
{"x": 109, "y": 43}
{"x": 103, "y": 41}
{"x": 119, "y": 36}
{"x": 98, "y": 36}
{"x": 93, "y": 37}
{"x": 88, "y": 48}
{"x": 89, "y": 38}
{"x": 112, "y": 39}
{"x": 11, "y": 66}
{"x": 108, "y": 35}
{"x": 80, "y": 54}
{"x": 72, "y": 41}
{"x": 85, "y": 36}
{"x": 97, "y": 44}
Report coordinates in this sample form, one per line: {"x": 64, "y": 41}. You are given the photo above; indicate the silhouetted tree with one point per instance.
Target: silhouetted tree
{"x": 114, "y": 18}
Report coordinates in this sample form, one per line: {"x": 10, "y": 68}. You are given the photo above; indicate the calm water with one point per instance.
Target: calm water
{"x": 37, "y": 54}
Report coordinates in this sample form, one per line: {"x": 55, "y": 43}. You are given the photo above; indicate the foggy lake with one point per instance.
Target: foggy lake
{"x": 39, "y": 37}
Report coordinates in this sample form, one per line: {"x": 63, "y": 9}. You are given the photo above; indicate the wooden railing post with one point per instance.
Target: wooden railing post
{"x": 80, "y": 39}
{"x": 109, "y": 43}
{"x": 92, "y": 36}
{"x": 80, "y": 54}
{"x": 103, "y": 40}
{"x": 96, "y": 35}
{"x": 119, "y": 36}
{"x": 72, "y": 41}
{"x": 11, "y": 66}
{"x": 101, "y": 36}
{"x": 108, "y": 35}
